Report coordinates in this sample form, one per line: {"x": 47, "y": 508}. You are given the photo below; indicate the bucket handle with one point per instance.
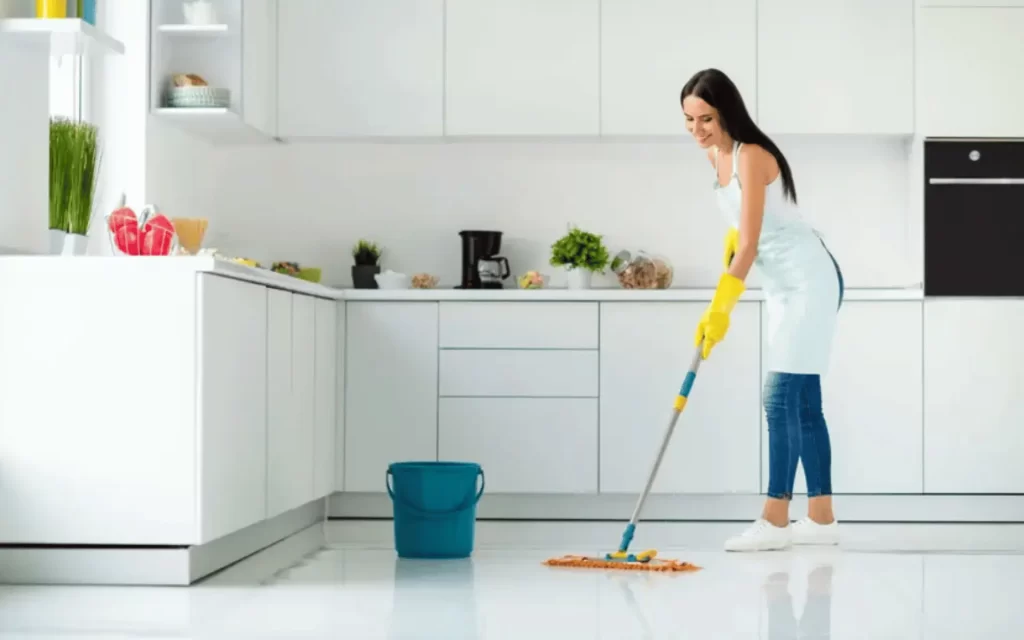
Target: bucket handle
{"x": 435, "y": 514}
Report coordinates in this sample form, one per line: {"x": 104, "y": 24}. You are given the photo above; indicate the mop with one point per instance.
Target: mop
{"x": 645, "y": 560}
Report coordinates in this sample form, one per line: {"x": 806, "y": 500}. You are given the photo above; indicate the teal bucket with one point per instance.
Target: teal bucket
{"x": 434, "y": 507}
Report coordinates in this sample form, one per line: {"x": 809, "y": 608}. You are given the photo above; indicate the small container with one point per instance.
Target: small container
{"x": 51, "y": 8}
{"x": 199, "y": 12}
{"x": 87, "y": 11}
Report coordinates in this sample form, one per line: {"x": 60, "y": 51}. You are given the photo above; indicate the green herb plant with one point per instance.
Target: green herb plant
{"x": 74, "y": 169}
{"x": 366, "y": 253}
{"x": 580, "y": 250}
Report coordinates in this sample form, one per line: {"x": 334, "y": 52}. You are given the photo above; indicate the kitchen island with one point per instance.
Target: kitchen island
{"x": 161, "y": 418}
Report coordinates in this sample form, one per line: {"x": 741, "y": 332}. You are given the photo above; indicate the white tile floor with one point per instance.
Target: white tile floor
{"x": 359, "y": 590}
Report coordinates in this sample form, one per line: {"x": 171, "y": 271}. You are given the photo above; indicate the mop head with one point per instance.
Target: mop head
{"x": 629, "y": 563}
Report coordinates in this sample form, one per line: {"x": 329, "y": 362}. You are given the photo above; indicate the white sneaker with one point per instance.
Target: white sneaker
{"x": 807, "y": 531}
{"x": 761, "y": 536}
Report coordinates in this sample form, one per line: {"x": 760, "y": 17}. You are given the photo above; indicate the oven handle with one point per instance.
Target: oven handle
{"x": 992, "y": 181}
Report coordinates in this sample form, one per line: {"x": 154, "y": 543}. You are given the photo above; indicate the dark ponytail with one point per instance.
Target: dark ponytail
{"x": 715, "y": 88}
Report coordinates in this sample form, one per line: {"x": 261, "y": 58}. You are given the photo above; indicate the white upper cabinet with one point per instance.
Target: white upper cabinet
{"x": 836, "y": 67}
{"x": 522, "y": 67}
{"x": 650, "y": 48}
{"x": 237, "y": 54}
{"x": 352, "y": 68}
{"x": 969, "y": 64}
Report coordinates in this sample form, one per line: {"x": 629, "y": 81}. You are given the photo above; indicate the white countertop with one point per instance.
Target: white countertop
{"x": 9, "y": 265}
{"x": 599, "y": 295}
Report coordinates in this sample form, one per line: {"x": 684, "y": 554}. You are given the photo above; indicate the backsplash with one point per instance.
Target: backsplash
{"x": 311, "y": 202}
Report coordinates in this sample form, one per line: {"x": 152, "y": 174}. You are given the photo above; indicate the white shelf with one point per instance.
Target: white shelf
{"x": 215, "y": 125}
{"x": 198, "y": 30}
{"x": 64, "y": 36}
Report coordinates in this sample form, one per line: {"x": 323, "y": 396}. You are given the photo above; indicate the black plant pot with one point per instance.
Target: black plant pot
{"x": 363, "y": 276}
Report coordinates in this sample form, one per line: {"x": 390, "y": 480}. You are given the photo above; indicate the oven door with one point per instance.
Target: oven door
{"x": 974, "y": 218}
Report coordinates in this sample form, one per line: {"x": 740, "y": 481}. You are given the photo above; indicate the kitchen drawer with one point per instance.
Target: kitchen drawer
{"x": 519, "y": 373}
{"x": 525, "y": 445}
{"x": 519, "y": 325}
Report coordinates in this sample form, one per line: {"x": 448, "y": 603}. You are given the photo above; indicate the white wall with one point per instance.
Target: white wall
{"x": 311, "y": 202}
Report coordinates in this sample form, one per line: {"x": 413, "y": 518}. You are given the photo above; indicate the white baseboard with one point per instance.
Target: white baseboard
{"x": 710, "y": 508}
{"x": 548, "y": 538}
{"x": 159, "y": 566}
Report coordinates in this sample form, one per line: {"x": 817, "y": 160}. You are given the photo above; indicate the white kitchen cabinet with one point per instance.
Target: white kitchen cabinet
{"x": 820, "y": 63}
{"x": 974, "y": 364}
{"x": 974, "y": 52}
{"x": 521, "y": 67}
{"x": 238, "y": 54}
{"x": 871, "y": 398}
{"x": 525, "y": 445}
{"x": 232, "y": 417}
{"x": 290, "y": 400}
{"x": 339, "y": 398}
{"x": 548, "y": 373}
{"x": 646, "y": 349}
{"x": 357, "y": 68}
{"x": 325, "y": 430}
{"x": 650, "y": 48}
{"x": 970, "y": 3}
{"x": 391, "y": 389}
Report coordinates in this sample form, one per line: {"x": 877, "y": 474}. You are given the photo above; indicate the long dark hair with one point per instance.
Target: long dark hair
{"x": 715, "y": 88}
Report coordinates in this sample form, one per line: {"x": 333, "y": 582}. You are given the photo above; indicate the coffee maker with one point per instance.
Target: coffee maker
{"x": 482, "y": 267}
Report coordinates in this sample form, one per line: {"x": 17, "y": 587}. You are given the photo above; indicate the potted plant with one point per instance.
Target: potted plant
{"x": 74, "y": 169}
{"x": 367, "y": 264}
{"x": 581, "y": 253}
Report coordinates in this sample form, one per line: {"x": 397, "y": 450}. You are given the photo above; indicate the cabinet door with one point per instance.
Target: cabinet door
{"x": 391, "y": 383}
{"x": 521, "y": 67}
{"x": 974, "y": 364}
{"x": 232, "y": 367}
{"x": 970, "y": 54}
{"x": 357, "y": 68}
{"x": 836, "y": 67}
{"x": 650, "y": 48}
{"x": 326, "y": 359}
{"x": 871, "y": 398}
{"x": 525, "y": 445}
{"x": 339, "y": 399}
{"x": 645, "y": 351}
{"x": 290, "y": 399}
{"x": 259, "y": 64}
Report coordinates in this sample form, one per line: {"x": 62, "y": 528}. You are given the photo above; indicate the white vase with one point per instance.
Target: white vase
{"x": 56, "y": 237}
{"x": 75, "y": 245}
{"x": 579, "y": 278}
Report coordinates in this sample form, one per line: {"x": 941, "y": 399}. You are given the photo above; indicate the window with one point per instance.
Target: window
{"x": 68, "y": 87}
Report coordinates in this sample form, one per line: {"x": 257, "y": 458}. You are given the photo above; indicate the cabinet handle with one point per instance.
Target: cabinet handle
{"x": 976, "y": 181}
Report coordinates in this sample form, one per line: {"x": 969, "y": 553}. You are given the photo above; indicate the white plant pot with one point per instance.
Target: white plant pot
{"x": 579, "y": 278}
{"x": 56, "y": 237}
{"x": 75, "y": 245}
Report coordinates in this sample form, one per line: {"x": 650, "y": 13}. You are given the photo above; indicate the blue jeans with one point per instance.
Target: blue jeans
{"x": 797, "y": 429}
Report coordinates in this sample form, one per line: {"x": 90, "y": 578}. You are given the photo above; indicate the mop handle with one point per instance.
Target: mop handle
{"x": 677, "y": 408}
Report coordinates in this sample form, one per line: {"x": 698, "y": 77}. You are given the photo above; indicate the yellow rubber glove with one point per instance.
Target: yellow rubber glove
{"x": 714, "y": 323}
{"x": 732, "y": 245}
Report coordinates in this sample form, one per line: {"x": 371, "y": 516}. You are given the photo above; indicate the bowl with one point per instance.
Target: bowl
{"x": 309, "y": 274}
{"x": 198, "y": 98}
{"x": 392, "y": 280}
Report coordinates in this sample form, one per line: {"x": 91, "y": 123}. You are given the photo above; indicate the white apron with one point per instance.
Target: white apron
{"x": 801, "y": 285}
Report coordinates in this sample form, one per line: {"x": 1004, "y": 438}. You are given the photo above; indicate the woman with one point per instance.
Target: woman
{"x": 803, "y": 288}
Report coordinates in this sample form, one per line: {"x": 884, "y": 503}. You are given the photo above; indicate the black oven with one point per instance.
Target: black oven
{"x": 973, "y": 218}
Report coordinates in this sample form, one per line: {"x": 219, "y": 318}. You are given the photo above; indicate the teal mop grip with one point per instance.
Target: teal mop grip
{"x": 627, "y": 537}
